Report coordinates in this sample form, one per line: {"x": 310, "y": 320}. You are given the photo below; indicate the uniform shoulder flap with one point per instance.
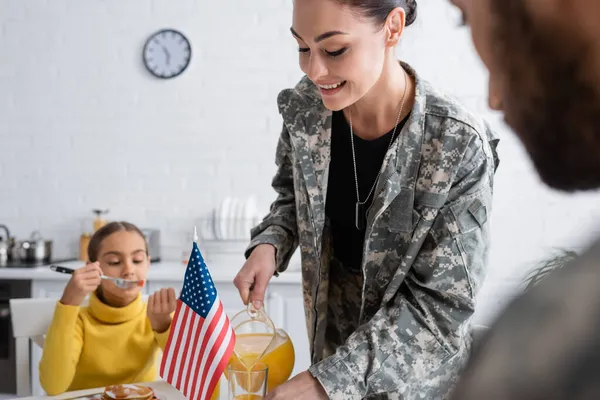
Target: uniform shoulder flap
{"x": 302, "y": 97}
{"x": 441, "y": 104}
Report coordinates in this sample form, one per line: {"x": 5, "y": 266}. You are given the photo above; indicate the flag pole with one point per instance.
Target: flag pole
{"x": 195, "y": 235}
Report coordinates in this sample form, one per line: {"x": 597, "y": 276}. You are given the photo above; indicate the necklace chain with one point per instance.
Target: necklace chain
{"x": 358, "y": 202}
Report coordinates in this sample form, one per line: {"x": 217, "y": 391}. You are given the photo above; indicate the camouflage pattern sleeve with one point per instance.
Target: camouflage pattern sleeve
{"x": 414, "y": 345}
{"x": 279, "y": 227}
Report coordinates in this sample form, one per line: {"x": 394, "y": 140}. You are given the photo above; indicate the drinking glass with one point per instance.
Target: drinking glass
{"x": 247, "y": 384}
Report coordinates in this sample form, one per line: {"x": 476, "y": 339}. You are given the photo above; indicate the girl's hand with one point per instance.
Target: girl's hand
{"x": 83, "y": 281}
{"x": 161, "y": 304}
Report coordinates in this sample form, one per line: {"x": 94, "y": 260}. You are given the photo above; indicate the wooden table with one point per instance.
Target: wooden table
{"x": 162, "y": 388}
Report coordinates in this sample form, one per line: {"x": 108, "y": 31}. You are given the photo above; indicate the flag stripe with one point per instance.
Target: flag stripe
{"x": 219, "y": 334}
{"x": 224, "y": 360}
{"x": 195, "y": 320}
{"x": 168, "y": 352}
{"x": 216, "y": 357}
{"x": 178, "y": 343}
{"x": 206, "y": 324}
{"x": 176, "y": 329}
{"x": 191, "y": 362}
{"x": 181, "y": 361}
{"x": 206, "y": 374}
{"x": 207, "y": 343}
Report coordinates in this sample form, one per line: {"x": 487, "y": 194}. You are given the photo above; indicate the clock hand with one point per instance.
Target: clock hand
{"x": 167, "y": 55}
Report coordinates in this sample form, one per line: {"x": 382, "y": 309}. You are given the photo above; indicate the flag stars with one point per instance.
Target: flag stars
{"x": 198, "y": 289}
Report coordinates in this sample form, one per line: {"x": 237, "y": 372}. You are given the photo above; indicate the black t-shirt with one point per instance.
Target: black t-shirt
{"x": 347, "y": 240}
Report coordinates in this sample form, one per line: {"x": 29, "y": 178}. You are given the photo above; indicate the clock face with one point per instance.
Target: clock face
{"x": 167, "y": 54}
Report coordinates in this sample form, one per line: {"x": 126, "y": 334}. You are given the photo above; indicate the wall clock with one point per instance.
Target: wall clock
{"x": 167, "y": 53}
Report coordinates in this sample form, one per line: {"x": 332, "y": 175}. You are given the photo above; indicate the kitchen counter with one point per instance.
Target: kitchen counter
{"x": 164, "y": 271}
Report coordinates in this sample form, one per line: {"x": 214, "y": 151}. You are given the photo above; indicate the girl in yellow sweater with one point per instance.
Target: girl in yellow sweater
{"x": 116, "y": 337}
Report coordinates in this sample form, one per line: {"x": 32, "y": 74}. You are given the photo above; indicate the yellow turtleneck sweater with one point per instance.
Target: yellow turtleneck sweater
{"x": 99, "y": 345}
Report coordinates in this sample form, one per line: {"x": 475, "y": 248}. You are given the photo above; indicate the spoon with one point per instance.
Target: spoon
{"x": 119, "y": 282}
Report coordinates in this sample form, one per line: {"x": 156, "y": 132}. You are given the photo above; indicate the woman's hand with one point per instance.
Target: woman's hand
{"x": 83, "y": 282}
{"x": 256, "y": 274}
{"x": 302, "y": 386}
{"x": 161, "y": 304}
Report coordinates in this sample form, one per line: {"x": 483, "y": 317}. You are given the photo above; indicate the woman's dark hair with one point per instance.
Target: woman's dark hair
{"x": 379, "y": 9}
{"x": 107, "y": 230}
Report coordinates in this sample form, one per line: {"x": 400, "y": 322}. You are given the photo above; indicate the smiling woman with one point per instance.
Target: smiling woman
{"x": 385, "y": 184}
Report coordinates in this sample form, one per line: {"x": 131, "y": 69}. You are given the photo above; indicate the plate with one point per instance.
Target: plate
{"x": 98, "y": 396}
{"x": 250, "y": 212}
{"x": 232, "y": 219}
{"x": 223, "y": 220}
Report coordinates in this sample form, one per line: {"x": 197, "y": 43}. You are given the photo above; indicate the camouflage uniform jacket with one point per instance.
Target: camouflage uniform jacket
{"x": 425, "y": 248}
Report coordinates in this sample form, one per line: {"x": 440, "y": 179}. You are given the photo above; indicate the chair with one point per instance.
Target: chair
{"x": 30, "y": 320}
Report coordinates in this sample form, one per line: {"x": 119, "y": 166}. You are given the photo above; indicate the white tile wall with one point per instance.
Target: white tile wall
{"x": 82, "y": 125}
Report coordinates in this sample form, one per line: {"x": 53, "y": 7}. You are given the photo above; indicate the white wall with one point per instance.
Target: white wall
{"x": 83, "y": 125}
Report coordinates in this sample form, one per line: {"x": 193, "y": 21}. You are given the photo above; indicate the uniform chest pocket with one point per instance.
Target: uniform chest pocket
{"x": 400, "y": 220}
{"x": 403, "y": 218}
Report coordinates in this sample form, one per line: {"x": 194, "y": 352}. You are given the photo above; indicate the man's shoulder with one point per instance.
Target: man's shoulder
{"x": 552, "y": 325}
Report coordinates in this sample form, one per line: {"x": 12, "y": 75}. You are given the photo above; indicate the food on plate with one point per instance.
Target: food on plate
{"x": 128, "y": 392}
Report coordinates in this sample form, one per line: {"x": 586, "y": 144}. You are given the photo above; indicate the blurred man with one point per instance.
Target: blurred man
{"x": 544, "y": 62}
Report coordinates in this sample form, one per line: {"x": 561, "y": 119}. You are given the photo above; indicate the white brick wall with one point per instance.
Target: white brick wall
{"x": 83, "y": 125}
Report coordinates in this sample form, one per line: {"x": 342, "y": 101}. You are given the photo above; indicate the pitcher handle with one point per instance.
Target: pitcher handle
{"x": 255, "y": 313}
{"x": 252, "y": 311}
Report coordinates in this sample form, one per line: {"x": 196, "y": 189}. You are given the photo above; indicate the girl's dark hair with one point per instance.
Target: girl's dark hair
{"x": 379, "y": 9}
{"x": 107, "y": 230}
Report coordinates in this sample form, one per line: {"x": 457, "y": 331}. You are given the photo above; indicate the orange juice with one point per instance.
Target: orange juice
{"x": 216, "y": 392}
{"x": 248, "y": 397}
{"x": 251, "y": 379}
{"x": 279, "y": 356}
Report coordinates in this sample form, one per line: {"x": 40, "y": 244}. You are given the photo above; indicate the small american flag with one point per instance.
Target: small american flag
{"x": 201, "y": 339}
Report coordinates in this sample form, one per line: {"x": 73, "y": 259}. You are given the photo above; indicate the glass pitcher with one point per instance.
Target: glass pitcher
{"x": 258, "y": 340}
